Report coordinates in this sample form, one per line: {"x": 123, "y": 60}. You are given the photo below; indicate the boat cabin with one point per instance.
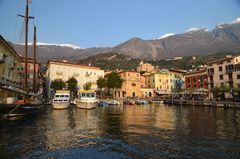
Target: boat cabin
{"x": 86, "y": 94}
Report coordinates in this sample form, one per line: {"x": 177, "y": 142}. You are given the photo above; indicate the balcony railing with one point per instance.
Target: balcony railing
{"x": 210, "y": 73}
{"x": 229, "y": 70}
{"x": 7, "y": 82}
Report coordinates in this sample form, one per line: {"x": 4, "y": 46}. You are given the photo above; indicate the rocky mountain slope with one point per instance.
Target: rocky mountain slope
{"x": 223, "y": 38}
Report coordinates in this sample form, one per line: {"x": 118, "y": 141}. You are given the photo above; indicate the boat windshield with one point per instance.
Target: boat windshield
{"x": 88, "y": 95}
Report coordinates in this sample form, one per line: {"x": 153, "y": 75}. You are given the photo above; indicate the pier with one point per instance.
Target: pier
{"x": 225, "y": 104}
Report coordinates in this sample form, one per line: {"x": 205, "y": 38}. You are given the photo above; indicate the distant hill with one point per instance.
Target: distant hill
{"x": 47, "y": 52}
{"x": 111, "y": 61}
{"x": 195, "y": 41}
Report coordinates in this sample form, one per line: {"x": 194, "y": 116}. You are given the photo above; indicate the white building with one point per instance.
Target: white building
{"x": 64, "y": 70}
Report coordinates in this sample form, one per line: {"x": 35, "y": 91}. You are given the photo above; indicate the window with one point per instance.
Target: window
{"x": 228, "y": 61}
{"x": 133, "y": 84}
{"x": 221, "y": 77}
{"x": 220, "y": 68}
{"x": 238, "y": 76}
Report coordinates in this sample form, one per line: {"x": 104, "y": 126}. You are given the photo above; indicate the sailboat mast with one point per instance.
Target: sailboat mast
{"x": 26, "y": 50}
{"x": 34, "y": 60}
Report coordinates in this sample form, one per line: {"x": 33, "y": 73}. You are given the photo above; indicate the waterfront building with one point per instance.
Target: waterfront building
{"x": 65, "y": 70}
{"x": 196, "y": 80}
{"x": 221, "y": 72}
{"x": 147, "y": 92}
{"x": 159, "y": 81}
{"x": 10, "y": 62}
{"x": 236, "y": 76}
{"x": 30, "y": 74}
{"x": 131, "y": 86}
{"x": 177, "y": 79}
{"x": 145, "y": 67}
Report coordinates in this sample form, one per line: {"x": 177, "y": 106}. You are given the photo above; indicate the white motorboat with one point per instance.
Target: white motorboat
{"x": 86, "y": 99}
{"x": 61, "y": 100}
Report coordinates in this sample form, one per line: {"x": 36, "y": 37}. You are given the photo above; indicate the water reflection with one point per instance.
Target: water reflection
{"x": 125, "y": 132}
{"x": 59, "y": 129}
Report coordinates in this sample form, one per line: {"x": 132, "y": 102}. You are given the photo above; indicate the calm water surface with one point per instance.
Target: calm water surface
{"x": 124, "y": 132}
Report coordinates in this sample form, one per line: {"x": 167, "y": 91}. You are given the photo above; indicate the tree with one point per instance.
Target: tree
{"x": 57, "y": 84}
{"x": 72, "y": 86}
{"x": 114, "y": 80}
{"x": 87, "y": 86}
{"x": 216, "y": 91}
{"x": 72, "y": 83}
{"x": 101, "y": 83}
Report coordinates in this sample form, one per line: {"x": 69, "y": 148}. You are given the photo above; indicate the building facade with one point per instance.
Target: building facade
{"x": 145, "y": 67}
{"x": 159, "y": 81}
{"x": 177, "y": 80}
{"x": 196, "y": 80}
{"x": 236, "y": 76}
{"x": 221, "y": 72}
{"x": 64, "y": 70}
{"x": 10, "y": 62}
{"x": 30, "y": 74}
{"x": 131, "y": 86}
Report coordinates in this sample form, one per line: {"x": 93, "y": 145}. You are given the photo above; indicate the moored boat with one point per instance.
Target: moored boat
{"x": 61, "y": 100}
{"x": 86, "y": 99}
{"x": 141, "y": 102}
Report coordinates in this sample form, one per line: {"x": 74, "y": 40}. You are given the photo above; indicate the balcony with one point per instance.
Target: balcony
{"x": 210, "y": 82}
{"x": 210, "y": 73}
{"x": 230, "y": 80}
{"x": 7, "y": 82}
{"x": 229, "y": 70}
{"x": 2, "y": 58}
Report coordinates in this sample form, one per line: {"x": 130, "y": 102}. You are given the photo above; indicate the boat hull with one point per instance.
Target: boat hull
{"x": 86, "y": 105}
{"x": 60, "y": 105}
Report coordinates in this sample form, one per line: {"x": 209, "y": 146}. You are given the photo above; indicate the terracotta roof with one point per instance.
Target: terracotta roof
{"x": 196, "y": 72}
{"x": 222, "y": 59}
{"x": 178, "y": 71}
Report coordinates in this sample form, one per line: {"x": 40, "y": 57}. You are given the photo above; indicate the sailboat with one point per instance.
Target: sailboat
{"x": 33, "y": 104}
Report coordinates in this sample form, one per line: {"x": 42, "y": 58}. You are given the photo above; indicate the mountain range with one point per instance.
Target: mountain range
{"x": 195, "y": 41}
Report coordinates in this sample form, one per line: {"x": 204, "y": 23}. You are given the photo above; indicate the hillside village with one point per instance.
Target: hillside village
{"x": 216, "y": 79}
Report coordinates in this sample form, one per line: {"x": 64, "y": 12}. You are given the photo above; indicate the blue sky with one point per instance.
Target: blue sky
{"x": 95, "y": 23}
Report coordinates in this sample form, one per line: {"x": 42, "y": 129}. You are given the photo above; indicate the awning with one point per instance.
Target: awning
{"x": 11, "y": 88}
{"x": 161, "y": 92}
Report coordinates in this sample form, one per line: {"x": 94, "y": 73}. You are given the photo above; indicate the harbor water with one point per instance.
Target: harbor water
{"x": 153, "y": 131}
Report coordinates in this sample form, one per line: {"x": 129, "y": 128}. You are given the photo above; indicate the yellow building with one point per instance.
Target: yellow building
{"x": 10, "y": 63}
{"x": 131, "y": 86}
{"x": 64, "y": 70}
{"x": 159, "y": 81}
{"x": 145, "y": 67}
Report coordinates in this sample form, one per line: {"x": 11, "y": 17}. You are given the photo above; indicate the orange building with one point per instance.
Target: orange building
{"x": 131, "y": 86}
